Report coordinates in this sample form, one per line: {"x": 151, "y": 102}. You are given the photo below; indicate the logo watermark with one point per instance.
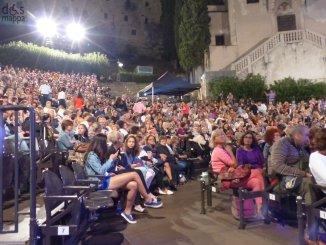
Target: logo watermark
{"x": 11, "y": 12}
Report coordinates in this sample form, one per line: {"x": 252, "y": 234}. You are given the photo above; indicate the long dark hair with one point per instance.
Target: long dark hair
{"x": 99, "y": 146}
{"x": 132, "y": 151}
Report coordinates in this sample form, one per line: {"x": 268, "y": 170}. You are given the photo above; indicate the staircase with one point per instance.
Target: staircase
{"x": 243, "y": 66}
{"x": 127, "y": 88}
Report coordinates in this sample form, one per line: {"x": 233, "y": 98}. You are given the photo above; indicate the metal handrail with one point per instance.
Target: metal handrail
{"x": 32, "y": 159}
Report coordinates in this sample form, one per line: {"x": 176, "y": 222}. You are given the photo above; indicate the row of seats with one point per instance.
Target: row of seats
{"x": 281, "y": 207}
{"x": 77, "y": 211}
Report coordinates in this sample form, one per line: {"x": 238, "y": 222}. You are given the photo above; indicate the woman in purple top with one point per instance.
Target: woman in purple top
{"x": 249, "y": 153}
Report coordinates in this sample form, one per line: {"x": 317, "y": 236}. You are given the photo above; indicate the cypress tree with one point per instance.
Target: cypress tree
{"x": 167, "y": 23}
{"x": 194, "y": 36}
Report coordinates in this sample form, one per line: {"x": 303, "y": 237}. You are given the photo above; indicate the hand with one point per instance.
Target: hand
{"x": 231, "y": 170}
{"x": 114, "y": 156}
{"x": 308, "y": 175}
{"x": 163, "y": 157}
{"x": 228, "y": 148}
{"x": 119, "y": 167}
{"x": 135, "y": 165}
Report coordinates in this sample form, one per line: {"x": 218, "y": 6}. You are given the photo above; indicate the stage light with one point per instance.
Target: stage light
{"x": 75, "y": 32}
{"x": 46, "y": 27}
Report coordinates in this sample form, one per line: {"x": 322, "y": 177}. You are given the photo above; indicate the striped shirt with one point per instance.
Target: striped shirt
{"x": 285, "y": 157}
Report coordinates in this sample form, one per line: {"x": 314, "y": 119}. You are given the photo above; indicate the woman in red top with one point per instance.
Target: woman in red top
{"x": 79, "y": 102}
{"x": 185, "y": 109}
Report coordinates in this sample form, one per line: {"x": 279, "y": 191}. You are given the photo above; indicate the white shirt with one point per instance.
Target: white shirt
{"x": 45, "y": 89}
{"x": 262, "y": 108}
{"x": 317, "y": 165}
{"x": 61, "y": 95}
{"x": 123, "y": 131}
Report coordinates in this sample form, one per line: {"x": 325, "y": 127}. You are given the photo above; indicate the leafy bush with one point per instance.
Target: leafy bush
{"x": 252, "y": 87}
{"x": 33, "y": 56}
{"x": 134, "y": 77}
{"x": 303, "y": 89}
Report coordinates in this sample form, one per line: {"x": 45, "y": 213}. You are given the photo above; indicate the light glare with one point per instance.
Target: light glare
{"x": 75, "y": 32}
{"x": 46, "y": 27}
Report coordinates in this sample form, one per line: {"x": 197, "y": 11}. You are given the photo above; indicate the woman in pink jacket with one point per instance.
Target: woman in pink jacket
{"x": 222, "y": 154}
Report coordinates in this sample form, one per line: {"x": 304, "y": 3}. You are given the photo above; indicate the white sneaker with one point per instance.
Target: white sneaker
{"x": 169, "y": 192}
{"x": 161, "y": 192}
{"x": 139, "y": 209}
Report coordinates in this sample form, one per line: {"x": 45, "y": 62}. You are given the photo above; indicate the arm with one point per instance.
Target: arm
{"x": 65, "y": 141}
{"x": 94, "y": 162}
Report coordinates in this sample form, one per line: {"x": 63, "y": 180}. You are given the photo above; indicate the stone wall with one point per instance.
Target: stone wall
{"x": 116, "y": 25}
{"x": 300, "y": 60}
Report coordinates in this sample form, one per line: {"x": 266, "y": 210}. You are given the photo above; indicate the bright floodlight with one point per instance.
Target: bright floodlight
{"x": 46, "y": 27}
{"x": 75, "y": 32}
{"x": 120, "y": 64}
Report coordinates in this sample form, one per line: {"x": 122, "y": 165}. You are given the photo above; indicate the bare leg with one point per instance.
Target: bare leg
{"x": 168, "y": 170}
{"x": 121, "y": 180}
{"x": 132, "y": 187}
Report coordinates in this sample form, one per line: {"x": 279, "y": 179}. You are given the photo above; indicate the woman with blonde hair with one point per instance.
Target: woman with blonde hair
{"x": 222, "y": 154}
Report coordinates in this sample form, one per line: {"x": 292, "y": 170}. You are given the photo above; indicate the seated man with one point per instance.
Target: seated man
{"x": 289, "y": 161}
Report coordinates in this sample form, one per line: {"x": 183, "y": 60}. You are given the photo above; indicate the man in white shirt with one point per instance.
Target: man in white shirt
{"x": 262, "y": 108}
{"x": 317, "y": 160}
{"x": 45, "y": 91}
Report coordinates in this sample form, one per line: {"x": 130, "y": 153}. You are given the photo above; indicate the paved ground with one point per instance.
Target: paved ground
{"x": 180, "y": 222}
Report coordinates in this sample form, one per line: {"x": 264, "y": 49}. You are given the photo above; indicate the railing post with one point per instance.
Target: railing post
{"x": 16, "y": 174}
{"x": 32, "y": 190}
{"x": 300, "y": 217}
{"x": 2, "y": 137}
{"x": 202, "y": 192}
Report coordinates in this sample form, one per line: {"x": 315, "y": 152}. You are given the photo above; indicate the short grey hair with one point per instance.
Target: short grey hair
{"x": 113, "y": 136}
{"x": 297, "y": 129}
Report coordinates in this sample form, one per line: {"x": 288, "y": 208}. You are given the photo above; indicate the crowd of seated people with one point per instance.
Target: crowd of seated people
{"x": 152, "y": 148}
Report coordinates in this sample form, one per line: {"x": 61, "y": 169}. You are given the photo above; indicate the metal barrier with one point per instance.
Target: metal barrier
{"x": 32, "y": 160}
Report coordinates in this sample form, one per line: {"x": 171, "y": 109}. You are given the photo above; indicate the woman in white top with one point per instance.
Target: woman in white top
{"x": 317, "y": 160}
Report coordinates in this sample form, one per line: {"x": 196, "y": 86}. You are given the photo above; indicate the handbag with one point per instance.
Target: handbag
{"x": 235, "y": 179}
{"x": 290, "y": 183}
{"x": 82, "y": 148}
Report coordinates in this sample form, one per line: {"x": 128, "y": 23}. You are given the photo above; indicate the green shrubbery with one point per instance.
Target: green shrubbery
{"x": 33, "y": 56}
{"x": 124, "y": 76}
{"x": 254, "y": 86}
{"x": 302, "y": 89}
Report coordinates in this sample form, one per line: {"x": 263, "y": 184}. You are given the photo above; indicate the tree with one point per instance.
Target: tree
{"x": 193, "y": 33}
{"x": 177, "y": 19}
{"x": 167, "y": 24}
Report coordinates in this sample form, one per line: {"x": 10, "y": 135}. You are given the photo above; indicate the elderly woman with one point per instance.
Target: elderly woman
{"x": 222, "y": 154}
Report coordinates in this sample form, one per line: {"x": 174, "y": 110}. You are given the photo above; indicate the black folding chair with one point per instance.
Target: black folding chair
{"x": 71, "y": 222}
{"x": 94, "y": 199}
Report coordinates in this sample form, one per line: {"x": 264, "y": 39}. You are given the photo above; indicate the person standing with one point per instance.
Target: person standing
{"x": 45, "y": 91}
{"x": 62, "y": 97}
